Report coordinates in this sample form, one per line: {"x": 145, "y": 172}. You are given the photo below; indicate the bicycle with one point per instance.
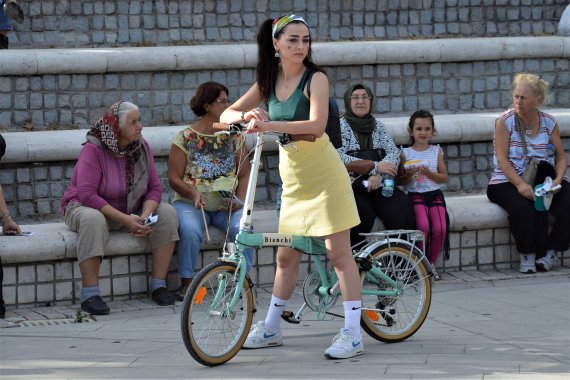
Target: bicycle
{"x": 218, "y": 308}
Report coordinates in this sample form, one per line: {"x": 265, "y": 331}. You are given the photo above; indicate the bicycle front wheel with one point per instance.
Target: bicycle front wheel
{"x": 212, "y": 333}
{"x": 395, "y": 318}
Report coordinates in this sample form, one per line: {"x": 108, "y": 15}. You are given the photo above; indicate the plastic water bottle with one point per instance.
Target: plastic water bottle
{"x": 550, "y": 154}
{"x": 387, "y": 186}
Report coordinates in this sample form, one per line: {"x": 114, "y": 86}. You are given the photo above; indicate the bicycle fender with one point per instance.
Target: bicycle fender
{"x": 369, "y": 248}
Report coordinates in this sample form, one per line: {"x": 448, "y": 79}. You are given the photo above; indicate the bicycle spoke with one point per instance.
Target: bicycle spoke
{"x": 213, "y": 333}
{"x": 396, "y": 316}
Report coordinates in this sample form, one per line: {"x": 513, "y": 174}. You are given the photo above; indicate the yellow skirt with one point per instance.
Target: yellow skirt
{"x": 317, "y": 195}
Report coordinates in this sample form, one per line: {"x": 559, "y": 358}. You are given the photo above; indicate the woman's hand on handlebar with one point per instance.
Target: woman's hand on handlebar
{"x": 257, "y": 114}
{"x": 255, "y": 125}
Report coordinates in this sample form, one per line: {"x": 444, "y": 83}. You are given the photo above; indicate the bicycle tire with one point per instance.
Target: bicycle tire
{"x": 408, "y": 310}
{"x": 211, "y": 338}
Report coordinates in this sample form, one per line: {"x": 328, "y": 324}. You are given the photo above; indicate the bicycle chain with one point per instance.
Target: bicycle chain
{"x": 334, "y": 315}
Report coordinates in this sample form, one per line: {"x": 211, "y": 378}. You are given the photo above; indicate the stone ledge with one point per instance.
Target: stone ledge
{"x": 65, "y": 145}
{"x": 54, "y": 241}
{"x": 167, "y": 58}
{"x": 474, "y": 212}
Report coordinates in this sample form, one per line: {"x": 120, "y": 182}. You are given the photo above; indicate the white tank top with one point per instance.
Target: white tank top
{"x": 422, "y": 184}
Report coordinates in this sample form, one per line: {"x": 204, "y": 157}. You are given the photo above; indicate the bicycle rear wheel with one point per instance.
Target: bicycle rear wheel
{"x": 212, "y": 333}
{"x": 395, "y": 318}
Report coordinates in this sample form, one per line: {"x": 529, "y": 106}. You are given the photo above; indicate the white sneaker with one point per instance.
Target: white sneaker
{"x": 345, "y": 346}
{"x": 544, "y": 264}
{"x": 261, "y": 337}
{"x": 527, "y": 263}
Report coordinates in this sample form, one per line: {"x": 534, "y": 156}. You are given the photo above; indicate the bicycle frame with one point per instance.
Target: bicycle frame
{"x": 219, "y": 306}
{"x": 309, "y": 245}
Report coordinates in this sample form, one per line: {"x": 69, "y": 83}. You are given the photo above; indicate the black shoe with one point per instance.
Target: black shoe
{"x": 162, "y": 297}
{"x": 2, "y": 309}
{"x": 95, "y": 305}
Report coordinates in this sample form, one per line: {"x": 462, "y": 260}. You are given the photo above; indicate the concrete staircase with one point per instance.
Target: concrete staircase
{"x": 48, "y": 96}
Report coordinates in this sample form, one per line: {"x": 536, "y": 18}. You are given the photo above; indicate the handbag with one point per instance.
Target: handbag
{"x": 369, "y": 154}
{"x": 529, "y": 174}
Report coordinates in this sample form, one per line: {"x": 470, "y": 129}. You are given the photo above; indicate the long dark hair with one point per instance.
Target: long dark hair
{"x": 267, "y": 64}
{"x": 420, "y": 114}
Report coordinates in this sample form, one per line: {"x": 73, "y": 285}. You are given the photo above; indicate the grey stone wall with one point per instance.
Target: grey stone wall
{"x": 34, "y": 190}
{"x": 46, "y": 102}
{"x": 97, "y": 23}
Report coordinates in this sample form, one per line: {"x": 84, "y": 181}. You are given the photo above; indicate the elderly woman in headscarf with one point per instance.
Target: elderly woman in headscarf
{"x": 115, "y": 186}
{"x": 369, "y": 154}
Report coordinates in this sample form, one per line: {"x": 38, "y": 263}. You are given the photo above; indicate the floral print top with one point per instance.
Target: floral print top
{"x": 210, "y": 164}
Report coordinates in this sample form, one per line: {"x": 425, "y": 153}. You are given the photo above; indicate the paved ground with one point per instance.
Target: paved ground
{"x": 482, "y": 325}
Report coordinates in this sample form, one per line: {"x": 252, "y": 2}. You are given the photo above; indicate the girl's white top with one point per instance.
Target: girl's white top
{"x": 421, "y": 183}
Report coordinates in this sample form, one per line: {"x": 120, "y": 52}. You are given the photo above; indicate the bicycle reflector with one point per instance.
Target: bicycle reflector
{"x": 372, "y": 315}
{"x": 200, "y": 295}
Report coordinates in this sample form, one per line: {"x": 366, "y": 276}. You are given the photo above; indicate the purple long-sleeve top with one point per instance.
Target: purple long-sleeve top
{"x": 100, "y": 179}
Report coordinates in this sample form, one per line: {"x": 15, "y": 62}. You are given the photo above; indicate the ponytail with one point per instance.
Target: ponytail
{"x": 267, "y": 63}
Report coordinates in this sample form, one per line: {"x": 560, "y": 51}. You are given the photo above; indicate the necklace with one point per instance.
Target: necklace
{"x": 529, "y": 127}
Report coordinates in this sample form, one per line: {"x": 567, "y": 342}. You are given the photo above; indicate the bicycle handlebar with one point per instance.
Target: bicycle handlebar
{"x": 238, "y": 127}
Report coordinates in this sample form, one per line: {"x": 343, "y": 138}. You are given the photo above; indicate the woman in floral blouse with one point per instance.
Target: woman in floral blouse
{"x": 203, "y": 172}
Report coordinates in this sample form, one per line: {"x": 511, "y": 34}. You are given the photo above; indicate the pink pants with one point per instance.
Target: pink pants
{"x": 429, "y": 209}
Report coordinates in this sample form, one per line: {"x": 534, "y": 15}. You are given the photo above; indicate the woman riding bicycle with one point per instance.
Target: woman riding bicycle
{"x": 317, "y": 197}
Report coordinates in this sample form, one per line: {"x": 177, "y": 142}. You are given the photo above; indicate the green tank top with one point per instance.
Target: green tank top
{"x": 295, "y": 107}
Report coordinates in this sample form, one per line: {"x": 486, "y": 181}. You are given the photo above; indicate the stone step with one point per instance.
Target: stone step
{"x": 64, "y": 145}
{"x": 55, "y": 241}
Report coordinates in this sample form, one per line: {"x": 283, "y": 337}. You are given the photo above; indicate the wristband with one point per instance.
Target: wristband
{"x": 243, "y": 116}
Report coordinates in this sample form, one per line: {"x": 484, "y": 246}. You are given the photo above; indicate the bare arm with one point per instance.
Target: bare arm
{"x": 502, "y": 139}
{"x": 441, "y": 175}
{"x": 9, "y": 227}
{"x": 360, "y": 166}
{"x": 176, "y": 165}
{"x": 246, "y": 106}
{"x": 561, "y": 160}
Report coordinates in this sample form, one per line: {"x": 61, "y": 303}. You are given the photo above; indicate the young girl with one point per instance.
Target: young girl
{"x": 317, "y": 197}
{"x": 423, "y": 181}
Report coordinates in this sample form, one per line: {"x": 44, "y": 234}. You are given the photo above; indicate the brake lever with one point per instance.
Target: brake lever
{"x": 285, "y": 141}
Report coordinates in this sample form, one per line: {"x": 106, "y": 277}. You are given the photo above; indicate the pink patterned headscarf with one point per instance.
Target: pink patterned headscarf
{"x": 105, "y": 133}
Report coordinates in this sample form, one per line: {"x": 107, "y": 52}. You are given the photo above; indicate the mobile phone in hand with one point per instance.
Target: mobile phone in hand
{"x": 150, "y": 220}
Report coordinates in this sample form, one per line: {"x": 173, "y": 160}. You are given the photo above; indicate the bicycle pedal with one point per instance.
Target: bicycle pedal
{"x": 289, "y": 317}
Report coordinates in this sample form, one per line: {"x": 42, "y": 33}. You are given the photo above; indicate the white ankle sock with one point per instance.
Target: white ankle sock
{"x": 273, "y": 318}
{"x": 352, "y": 311}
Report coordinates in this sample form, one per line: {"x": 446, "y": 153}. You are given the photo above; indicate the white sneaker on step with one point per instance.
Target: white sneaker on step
{"x": 261, "y": 337}
{"x": 544, "y": 264}
{"x": 527, "y": 263}
{"x": 345, "y": 346}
